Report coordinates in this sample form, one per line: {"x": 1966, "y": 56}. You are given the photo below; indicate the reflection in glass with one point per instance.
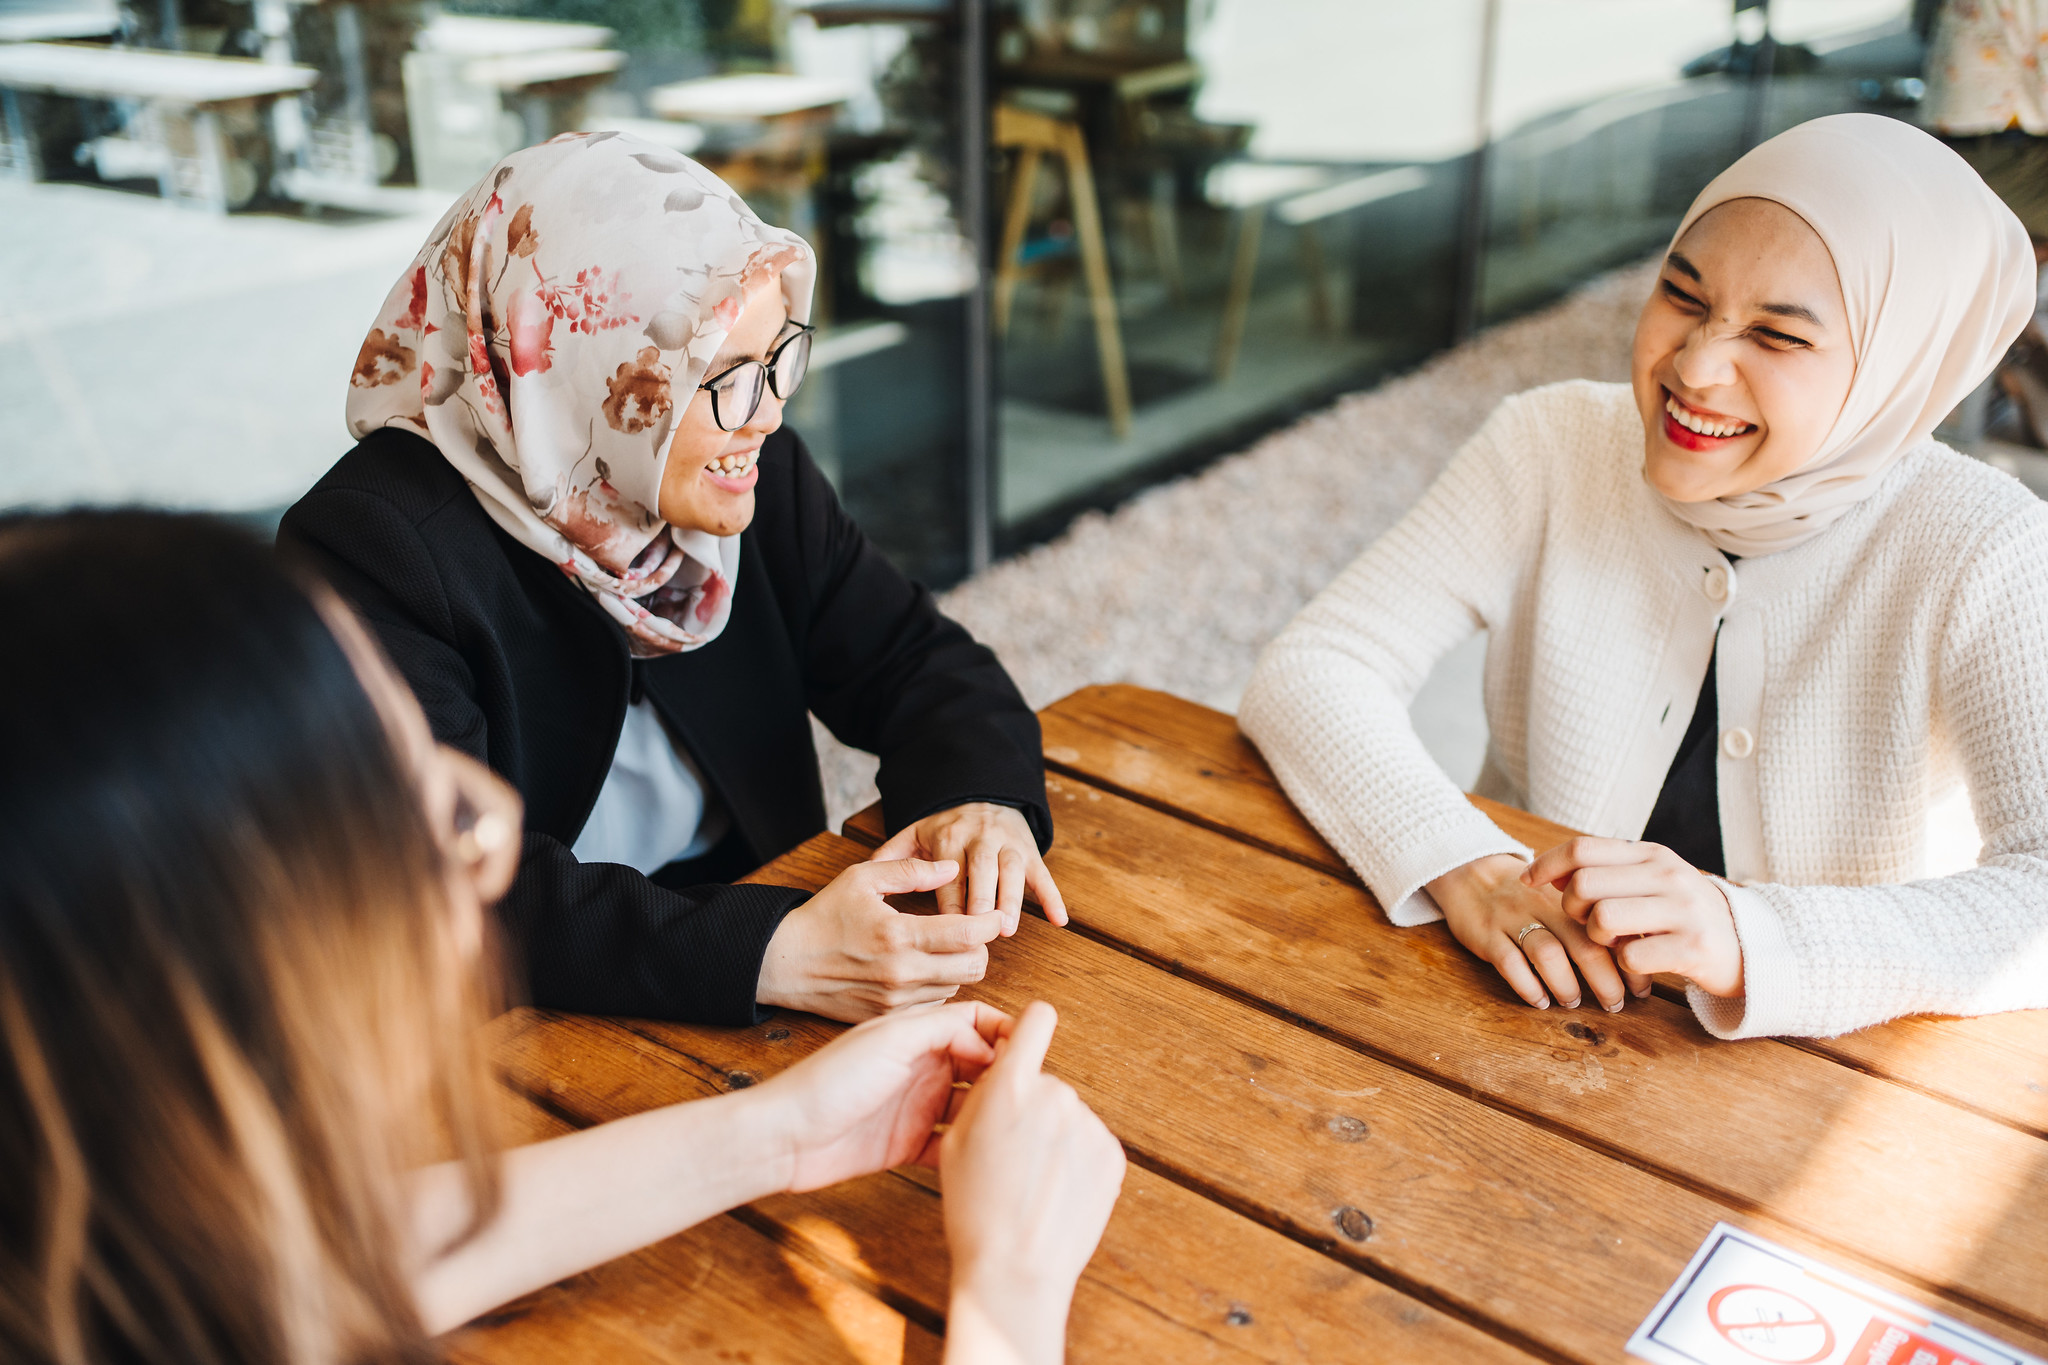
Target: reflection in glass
{"x": 1607, "y": 119}
{"x": 1211, "y": 222}
{"x": 1203, "y": 217}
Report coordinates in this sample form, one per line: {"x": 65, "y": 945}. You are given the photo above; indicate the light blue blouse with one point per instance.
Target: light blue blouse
{"x": 654, "y": 807}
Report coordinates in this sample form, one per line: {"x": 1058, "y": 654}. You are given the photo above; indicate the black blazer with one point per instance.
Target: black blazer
{"x": 518, "y": 666}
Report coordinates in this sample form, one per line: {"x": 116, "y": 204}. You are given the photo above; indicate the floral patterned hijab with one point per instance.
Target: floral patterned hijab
{"x": 545, "y": 339}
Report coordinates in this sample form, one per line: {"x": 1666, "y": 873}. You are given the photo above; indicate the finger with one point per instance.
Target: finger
{"x": 953, "y": 1116}
{"x": 1554, "y": 865}
{"x": 1009, "y": 888}
{"x": 982, "y": 866}
{"x": 955, "y": 969}
{"x": 1038, "y": 879}
{"x": 902, "y": 844}
{"x": 1546, "y": 954}
{"x": 1514, "y": 969}
{"x": 1022, "y": 1053}
{"x": 908, "y": 874}
{"x": 1590, "y": 885}
{"x": 1655, "y": 953}
{"x": 1638, "y": 984}
{"x": 922, "y": 1022}
{"x": 920, "y": 998}
{"x": 1596, "y": 965}
{"x": 974, "y": 1041}
{"x": 943, "y": 934}
{"x": 1627, "y": 916}
{"x": 952, "y": 897}
{"x": 989, "y": 1022}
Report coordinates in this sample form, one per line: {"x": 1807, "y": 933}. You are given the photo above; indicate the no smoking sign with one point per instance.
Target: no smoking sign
{"x": 1770, "y": 1324}
{"x": 1743, "y": 1300}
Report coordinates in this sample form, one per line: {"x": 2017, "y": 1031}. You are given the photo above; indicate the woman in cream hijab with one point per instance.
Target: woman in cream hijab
{"x": 1746, "y": 618}
{"x": 581, "y": 533}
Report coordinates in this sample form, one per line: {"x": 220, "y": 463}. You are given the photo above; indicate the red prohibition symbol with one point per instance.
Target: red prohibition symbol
{"x": 1770, "y": 1324}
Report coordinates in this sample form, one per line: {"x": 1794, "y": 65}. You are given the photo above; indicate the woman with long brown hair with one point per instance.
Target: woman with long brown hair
{"x": 243, "y": 959}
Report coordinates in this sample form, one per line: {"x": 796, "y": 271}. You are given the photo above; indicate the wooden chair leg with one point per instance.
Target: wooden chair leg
{"x": 1319, "y": 311}
{"x": 1055, "y": 288}
{"x": 1166, "y": 236}
{"x": 1238, "y": 301}
{"x": 1015, "y": 219}
{"x": 1109, "y": 343}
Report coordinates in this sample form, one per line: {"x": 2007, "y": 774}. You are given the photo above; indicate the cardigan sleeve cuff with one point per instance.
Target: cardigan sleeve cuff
{"x": 1402, "y": 886}
{"x": 1770, "y": 978}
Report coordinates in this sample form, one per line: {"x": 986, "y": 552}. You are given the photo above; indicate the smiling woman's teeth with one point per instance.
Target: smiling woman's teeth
{"x": 1701, "y": 425}
{"x": 733, "y": 466}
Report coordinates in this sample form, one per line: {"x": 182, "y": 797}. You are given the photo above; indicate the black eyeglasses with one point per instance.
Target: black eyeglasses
{"x": 736, "y": 392}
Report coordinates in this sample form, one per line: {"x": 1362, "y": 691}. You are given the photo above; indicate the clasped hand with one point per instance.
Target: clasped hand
{"x": 998, "y": 857}
{"x": 1651, "y": 908}
{"x": 1612, "y": 911}
{"x": 848, "y": 954}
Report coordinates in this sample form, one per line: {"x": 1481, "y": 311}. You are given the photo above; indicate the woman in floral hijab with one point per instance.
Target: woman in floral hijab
{"x": 540, "y": 348}
{"x": 606, "y": 571}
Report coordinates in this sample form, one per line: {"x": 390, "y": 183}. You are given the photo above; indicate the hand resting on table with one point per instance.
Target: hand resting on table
{"x": 998, "y": 857}
{"x": 1488, "y": 904}
{"x": 1650, "y": 907}
{"x": 847, "y": 954}
{"x": 1030, "y": 1175}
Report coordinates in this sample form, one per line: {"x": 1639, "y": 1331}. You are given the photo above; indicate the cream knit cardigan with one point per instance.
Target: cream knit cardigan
{"x": 1862, "y": 676}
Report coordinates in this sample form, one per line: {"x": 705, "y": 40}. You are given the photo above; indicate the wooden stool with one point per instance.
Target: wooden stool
{"x": 1032, "y": 135}
{"x": 1302, "y": 196}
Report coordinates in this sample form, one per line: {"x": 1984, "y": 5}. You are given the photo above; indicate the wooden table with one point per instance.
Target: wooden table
{"x": 1347, "y": 1141}
{"x": 198, "y": 111}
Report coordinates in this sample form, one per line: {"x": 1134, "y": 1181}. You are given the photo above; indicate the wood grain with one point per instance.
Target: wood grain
{"x": 1467, "y": 1201}
{"x": 1177, "y": 1277}
{"x": 1192, "y": 760}
{"x": 719, "y": 1292}
{"x": 1758, "y": 1125}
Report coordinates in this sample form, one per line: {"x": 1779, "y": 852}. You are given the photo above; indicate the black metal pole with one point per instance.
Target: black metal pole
{"x": 980, "y": 446}
{"x": 1756, "y": 105}
{"x": 1472, "y": 234}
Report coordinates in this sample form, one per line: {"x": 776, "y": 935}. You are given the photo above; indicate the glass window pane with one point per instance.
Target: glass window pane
{"x": 846, "y": 132}
{"x": 1610, "y": 115}
{"x": 1212, "y": 217}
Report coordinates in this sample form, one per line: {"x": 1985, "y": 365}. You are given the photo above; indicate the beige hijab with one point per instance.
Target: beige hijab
{"x": 547, "y": 337}
{"x": 1938, "y": 276}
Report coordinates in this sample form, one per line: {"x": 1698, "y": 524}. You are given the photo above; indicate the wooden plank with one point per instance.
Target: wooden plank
{"x": 1995, "y": 1064}
{"x": 1177, "y": 1276}
{"x": 1181, "y": 756}
{"x": 720, "y": 1291}
{"x": 1468, "y": 1200}
{"x": 1759, "y": 1125}
{"x": 1184, "y": 757}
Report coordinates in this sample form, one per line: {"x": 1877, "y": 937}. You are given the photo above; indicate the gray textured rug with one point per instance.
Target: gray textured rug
{"x": 1181, "y": 587}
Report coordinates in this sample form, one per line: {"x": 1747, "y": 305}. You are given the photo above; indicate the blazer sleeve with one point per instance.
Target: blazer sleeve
{"x": 594, "y": 938}
{"x": 888, "y": 672}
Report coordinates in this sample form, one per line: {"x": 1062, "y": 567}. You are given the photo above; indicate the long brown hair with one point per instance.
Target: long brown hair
{"x": 230, "y": 1013}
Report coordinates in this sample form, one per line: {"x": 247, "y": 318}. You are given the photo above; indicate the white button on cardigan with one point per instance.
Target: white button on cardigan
{"x": 1861, "y": 677}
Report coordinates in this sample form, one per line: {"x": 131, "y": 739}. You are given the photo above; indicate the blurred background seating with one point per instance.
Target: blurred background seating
{"x": 1069, "y": 248}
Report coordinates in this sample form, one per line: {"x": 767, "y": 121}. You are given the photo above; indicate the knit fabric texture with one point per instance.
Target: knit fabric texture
{"x": 1864, "y": 676}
